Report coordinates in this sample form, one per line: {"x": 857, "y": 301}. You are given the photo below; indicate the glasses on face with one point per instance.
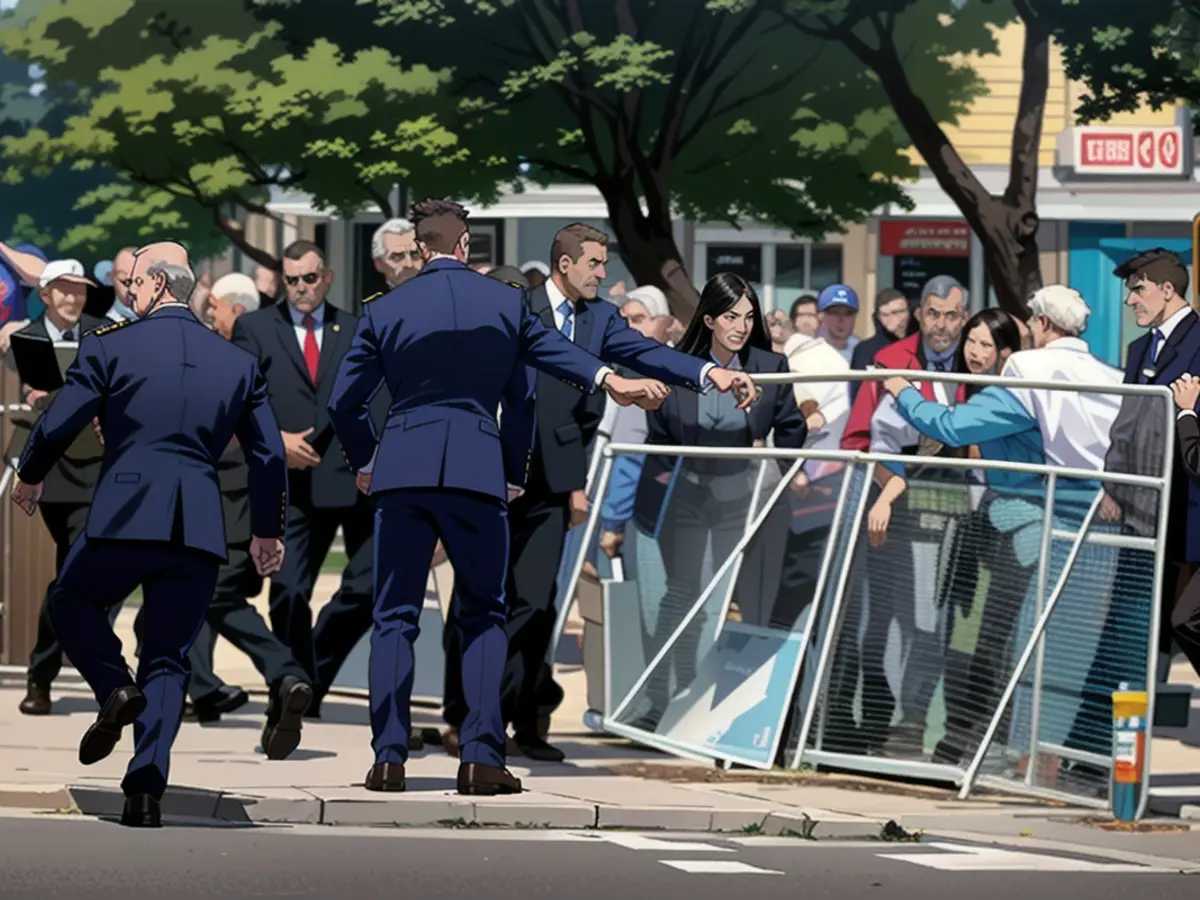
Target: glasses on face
{"x": 309, "y": 278}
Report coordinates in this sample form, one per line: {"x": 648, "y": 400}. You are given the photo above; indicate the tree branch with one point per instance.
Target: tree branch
{"x": 233, "y": 230}
{"x": 686, "y": 63}
{"x": 570, "y": 171}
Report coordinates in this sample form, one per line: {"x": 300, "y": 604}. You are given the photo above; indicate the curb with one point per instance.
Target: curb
{"x": 445, "y": 809}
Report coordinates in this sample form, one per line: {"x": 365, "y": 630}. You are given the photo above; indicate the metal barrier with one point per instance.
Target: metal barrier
{"x": 1058, "y": 612}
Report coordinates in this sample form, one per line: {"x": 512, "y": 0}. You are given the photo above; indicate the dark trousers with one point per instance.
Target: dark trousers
{"x": 347, "y": 615}
{"x": 803, "y": 554}
{"x": 232, "y": 617}
{"x": 537, "y": 533}
{"x": 65, "y": 522}
{"x": 177, "y": 585}
{"x": 473, "y": 529}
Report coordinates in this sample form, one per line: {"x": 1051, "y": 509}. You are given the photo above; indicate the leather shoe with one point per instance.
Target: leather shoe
{"x": 486, "y": 781}
{"x": 37, "y": 700}
{"x": 122, "y": 708}
{"x": 285, "y": 715}
{"x": 537, "y": 748}
{"x": 387, "y": 777}
{"x": 141, "y": 811}
{"x": 314, "y": 708}
{"x": 209, "y": 708}
{"x": 451, "y": 741}
{"x": 416, "y": 741}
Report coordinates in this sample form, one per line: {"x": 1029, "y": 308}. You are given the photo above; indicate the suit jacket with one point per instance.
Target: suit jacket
{"x": 270, "y": 336}
{"x": 451, "y": 345}
{"x": 566, "y": 421}
{"x": 72, "y": 480}
{"x": 1138, "y": 440}
{"x": 677, "y": 423}
{"x": 1187, "y": 428}
{"x": 170, "y": 395}
{"x": 233, "y": 474}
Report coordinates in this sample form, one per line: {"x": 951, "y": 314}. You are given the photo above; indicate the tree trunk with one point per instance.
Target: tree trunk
{"x": 647, "y": 245}
{"x": 236, "y": 232}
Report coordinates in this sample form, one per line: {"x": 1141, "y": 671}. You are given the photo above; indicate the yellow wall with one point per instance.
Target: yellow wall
{"x": 984, "y": 135}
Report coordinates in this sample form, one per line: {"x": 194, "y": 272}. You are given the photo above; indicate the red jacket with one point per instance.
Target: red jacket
{"x": 905, "y": 354}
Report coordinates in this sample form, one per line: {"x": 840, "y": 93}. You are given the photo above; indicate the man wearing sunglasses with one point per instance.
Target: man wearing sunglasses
{"x": 299, "y": 344}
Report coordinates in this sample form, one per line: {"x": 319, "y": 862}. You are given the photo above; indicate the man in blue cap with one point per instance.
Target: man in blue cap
{"x": 837, "y": 305}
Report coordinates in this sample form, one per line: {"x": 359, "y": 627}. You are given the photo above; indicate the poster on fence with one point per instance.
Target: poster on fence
{"x": 737, "y": 701}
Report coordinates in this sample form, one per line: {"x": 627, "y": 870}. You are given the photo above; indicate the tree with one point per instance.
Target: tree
{"x": 873, "y": 31}
{"x": 707, "y": 110}
{"x": 206, "y": 111}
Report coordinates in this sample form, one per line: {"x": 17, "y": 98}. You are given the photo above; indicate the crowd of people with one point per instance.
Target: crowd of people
{"x": 299, "y": 341}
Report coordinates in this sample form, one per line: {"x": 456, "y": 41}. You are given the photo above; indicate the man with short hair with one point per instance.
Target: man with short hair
{"x": 122, "y": 269}
{"x": 837, "y": 307}
{"x": 394, "y": 251}
{"x": 299, "y": 345}
{"x": 62, "y": 287}
{"x": 893, "y": 322}
{"x": 168, "y": 395}
{"x": 231, "y": 297}
{"x": 647, "y": 311}
{"x": 803, "y": 314}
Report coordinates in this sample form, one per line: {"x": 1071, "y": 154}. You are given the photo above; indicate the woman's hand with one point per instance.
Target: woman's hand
{"x": 1186, "y": 390}
{"x": 877, "y": 523}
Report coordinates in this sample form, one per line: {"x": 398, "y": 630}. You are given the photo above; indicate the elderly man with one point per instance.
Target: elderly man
{"x": 394, "y": 251}
{"x": 122, "y": 269}
{"x": 158, "y": 524}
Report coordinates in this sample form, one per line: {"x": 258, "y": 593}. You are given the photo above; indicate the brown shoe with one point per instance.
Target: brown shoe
{"x": 486, "y": 781}
{"x": 37, "y": 700}
{"x": 387, "y": 777}
{"x": 451, "y": 742}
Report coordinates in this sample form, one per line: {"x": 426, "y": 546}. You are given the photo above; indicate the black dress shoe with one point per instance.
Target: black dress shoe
{"x": 285, "y": 715}
{"x": 37, "y": 700}
{"x": 122, "y": 708}
{"x": 141, "y": 811}
{"x": 314, "y": 708}
{"x": 387, "y": 777}
{"x": 209, "y": 708}
{"x": 537, "y": 748}
{"x": 476, "y": 779}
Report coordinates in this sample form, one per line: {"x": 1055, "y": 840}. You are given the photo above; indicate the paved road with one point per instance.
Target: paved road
{"x": 61, "y": 858}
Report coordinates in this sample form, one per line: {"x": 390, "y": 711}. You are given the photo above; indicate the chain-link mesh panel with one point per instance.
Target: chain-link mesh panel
{"x": 720, "y": 610}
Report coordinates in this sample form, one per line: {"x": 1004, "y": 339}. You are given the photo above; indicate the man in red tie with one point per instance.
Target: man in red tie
{"x": 299, "y": 345}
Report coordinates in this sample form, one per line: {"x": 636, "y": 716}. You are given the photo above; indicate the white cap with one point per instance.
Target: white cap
{"x": 66, "y": 269}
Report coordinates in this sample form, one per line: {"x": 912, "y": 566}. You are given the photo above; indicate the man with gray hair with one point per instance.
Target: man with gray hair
{"x": 231, "y": 297}
{"x": 646, "y": 310}
{"x": 394, "y": 250}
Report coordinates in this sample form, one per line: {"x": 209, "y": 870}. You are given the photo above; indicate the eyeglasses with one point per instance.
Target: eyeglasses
{"x": 307, "y": 278}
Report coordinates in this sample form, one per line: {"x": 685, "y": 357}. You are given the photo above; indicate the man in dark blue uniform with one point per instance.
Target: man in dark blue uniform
{"x": 450, "y": 344}
{"x": 167, "y": 395}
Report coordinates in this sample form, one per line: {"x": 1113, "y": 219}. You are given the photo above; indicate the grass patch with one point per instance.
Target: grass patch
{"x": 334, "y": 563}
{"x": 134, "y": 600}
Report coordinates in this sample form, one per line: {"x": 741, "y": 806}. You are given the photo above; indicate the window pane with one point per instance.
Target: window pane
{"x": 789, "y": 275}
{"x": 826, "y": 265}
{"x": 740, "y": 259}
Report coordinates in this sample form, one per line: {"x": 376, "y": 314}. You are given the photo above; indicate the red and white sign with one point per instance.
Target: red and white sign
{"x": 924, "y": 237}
{"x": 1111, "y": 150}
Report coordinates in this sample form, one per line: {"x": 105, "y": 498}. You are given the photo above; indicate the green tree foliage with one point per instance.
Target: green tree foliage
{"x": 707, "y": 109}
{"x": 202, "y": 110}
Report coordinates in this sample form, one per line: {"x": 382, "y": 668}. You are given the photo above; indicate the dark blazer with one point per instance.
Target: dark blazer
{"x": 233, "y": 474}
{"x": 1187, "y": 428}
{"x": 451, "y": 345}
{"x": 72, "y": 480}
{"x": 565, "y": 422}
{"x": 170, "y": 395}
{"x": 677, "y": 423}
{"x": 269, "y": 335}
{"x": 1138, "y": 439}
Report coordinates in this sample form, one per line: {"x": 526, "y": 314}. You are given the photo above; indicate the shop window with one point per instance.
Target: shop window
{"x": 791, "y": 279}
{"x": 741, "y": 259}
{"x": 826, "y": 266}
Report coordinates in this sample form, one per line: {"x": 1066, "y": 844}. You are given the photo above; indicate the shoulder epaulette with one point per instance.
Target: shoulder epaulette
{"x": 374, "y": 296}
{"x": 105, "y": 329}
{"x": 519, "y": 287}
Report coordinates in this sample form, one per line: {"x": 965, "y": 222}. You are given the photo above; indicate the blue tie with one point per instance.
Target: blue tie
{"x": 1156, "y": 341}
{"x": 568, "y": 324}
{"x": 939, "y": 365}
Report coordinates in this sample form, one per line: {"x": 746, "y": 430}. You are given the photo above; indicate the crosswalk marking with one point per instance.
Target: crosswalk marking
{"x": 958, "y": 858}
{"x": 657, "y": 845}
{"x": 716, "y": 867}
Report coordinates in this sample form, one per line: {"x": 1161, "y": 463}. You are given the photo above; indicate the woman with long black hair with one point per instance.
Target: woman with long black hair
{"x": 686, "y": 503}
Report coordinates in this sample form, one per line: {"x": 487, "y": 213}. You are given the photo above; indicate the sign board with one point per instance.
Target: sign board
{"x": 924, "y": 237}
{"x": 1126, "y": 151}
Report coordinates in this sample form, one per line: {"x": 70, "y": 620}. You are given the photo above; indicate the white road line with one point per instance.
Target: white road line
{"x": 992, "y": 859}
{"x": 716, "y": 867}
{"x": 640, "y": 842}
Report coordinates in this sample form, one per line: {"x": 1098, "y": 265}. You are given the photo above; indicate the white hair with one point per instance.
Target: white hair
{"x": 650, "y": 297}
{"x": 181, "y": 280}
{"x": 391, "y": 226}
{"x": 1064, "y": 307}
{"x": 535, "y": 264}
{"x": 237, "y": 288}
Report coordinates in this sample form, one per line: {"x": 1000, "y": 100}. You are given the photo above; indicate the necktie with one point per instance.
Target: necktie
{"x": 312, "y": 353}
{"x": 1156, "y": 342}
{"x": 568, "y": 322}
{"x": 69, "y": 335}
{"x": 939, "y": 365}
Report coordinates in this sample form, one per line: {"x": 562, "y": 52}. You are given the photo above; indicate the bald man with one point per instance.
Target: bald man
{"x": 170, "y": 395}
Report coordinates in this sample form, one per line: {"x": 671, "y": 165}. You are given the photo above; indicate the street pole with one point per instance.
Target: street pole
{"x": 395, "y": 200}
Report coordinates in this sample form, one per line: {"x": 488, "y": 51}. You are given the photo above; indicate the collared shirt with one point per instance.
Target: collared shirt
{"x": 848, "y": 352}
{"x": 941, "y": 362}
{"x": 1075, "y": 426}
{"x": 1166, "y": 328}
{"x": 301, "y": 329}
{"x": 57, "y": 334}
{"x": 119, "y": 312}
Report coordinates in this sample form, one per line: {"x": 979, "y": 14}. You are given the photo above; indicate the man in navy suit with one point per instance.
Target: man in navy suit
{"x": 451, "y": 345}
{"x": 166, "y": 395}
